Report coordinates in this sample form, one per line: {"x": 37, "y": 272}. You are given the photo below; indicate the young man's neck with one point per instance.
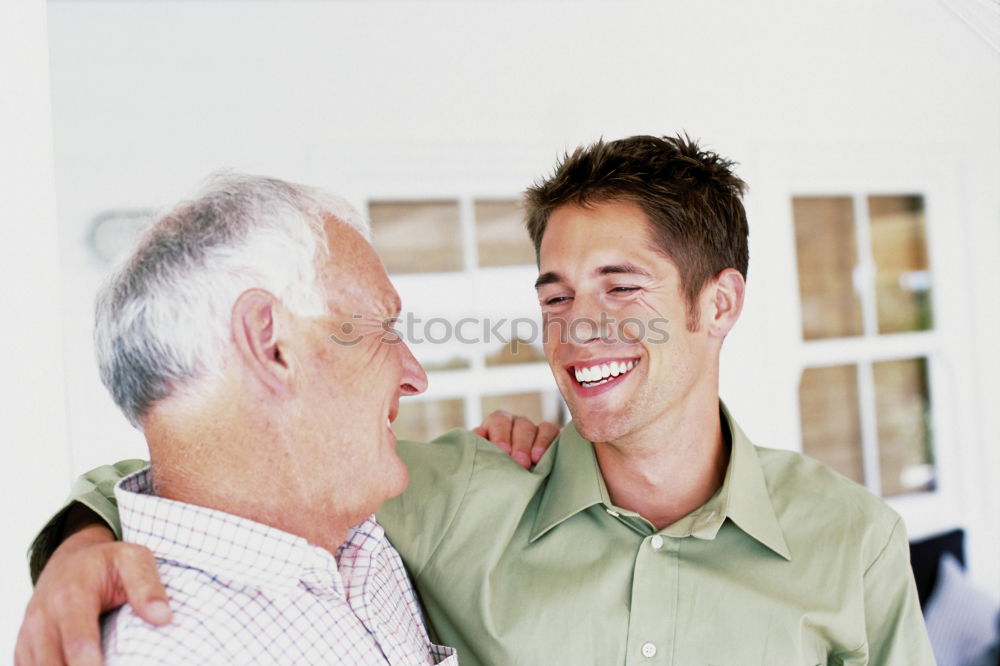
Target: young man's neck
{"x": 671, "y": 468}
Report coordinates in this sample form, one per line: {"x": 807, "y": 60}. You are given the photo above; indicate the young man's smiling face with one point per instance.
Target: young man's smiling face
{"x": 615, "y": 321}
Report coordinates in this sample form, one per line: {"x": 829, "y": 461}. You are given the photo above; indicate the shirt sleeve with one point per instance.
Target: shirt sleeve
{"x": 440, "y": 472}
{"x": 94, "y": 490}
{"x": 893, "y": 620}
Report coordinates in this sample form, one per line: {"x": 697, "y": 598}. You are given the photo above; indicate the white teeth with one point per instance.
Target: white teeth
{"x": 600, "y": 374}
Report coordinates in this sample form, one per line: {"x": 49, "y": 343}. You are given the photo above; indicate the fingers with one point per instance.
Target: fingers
{"x": 497, "y": 428}
{"x": 544, "y": 436}
{"x": 61, "y": 621}
{"x": 86, "y": 575}
{"x": 79, "y": 632}
{"x": 522, "y": 438}
{"x": 518, "y": 436}
{"x": 61, "y": 628}
{"x": 128, "y": 573}
{"x": 140, "y": 583}
{"x": 38, "y": 641}
{"x": 85, "y": 584}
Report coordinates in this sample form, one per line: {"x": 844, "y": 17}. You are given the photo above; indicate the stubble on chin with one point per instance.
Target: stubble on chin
{"x": 596, "y": 427}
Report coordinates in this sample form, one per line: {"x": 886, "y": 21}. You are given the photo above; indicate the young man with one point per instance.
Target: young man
{"x": 653, "y": 531}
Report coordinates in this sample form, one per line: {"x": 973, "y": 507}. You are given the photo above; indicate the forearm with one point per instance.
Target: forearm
{"x": 91, "y": 501}
{"x": 84, "y": 536}
{"x": 87, "y": 574}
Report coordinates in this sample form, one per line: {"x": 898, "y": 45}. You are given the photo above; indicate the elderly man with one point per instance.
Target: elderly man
{"x": 653, "y": 531}
{"x": 270, "y": 445}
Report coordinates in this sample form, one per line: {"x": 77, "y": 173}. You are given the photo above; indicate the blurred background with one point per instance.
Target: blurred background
{"x": 869, "y": 133}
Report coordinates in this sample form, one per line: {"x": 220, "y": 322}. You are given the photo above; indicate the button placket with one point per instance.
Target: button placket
{"x": 653, "y": 607}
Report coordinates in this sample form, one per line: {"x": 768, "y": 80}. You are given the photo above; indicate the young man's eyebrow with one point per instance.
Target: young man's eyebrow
{"x": 551, "y": 277}
{"x": 548, "y": 278}
{"x": 622, "y": 269}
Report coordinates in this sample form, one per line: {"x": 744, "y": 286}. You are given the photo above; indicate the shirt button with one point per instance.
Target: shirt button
{"x": 648, "y": 650}
{"x": 657, "y": 543}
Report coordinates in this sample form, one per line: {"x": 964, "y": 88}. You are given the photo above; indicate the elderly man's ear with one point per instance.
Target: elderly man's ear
{"x": 258, "y": 338}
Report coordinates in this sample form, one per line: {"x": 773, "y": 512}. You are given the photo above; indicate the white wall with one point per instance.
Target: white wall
{"x": 32, "y": 393}
{"x": 412, "y": 97}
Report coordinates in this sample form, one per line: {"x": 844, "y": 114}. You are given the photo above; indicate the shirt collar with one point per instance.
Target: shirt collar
{"x": 575, "y": 484}
{"x": 750, "y": 505}
{"x": 226, "y": 546}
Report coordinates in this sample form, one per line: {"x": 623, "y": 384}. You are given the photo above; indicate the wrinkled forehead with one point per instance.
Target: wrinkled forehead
{"x": 354, "y": 276}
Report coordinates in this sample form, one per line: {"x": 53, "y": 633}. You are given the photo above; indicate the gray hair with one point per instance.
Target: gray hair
{"x": 163, "y": 317}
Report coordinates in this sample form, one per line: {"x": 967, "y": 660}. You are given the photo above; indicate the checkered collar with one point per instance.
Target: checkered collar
{"x": 230, "y": 547}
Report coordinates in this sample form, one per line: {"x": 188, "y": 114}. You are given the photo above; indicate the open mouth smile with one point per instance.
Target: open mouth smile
{"x": 602, "y": 373}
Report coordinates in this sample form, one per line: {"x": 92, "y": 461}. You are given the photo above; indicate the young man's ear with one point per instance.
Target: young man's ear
{"x": 255, "y": 331}
{"x": 726, "y": 302}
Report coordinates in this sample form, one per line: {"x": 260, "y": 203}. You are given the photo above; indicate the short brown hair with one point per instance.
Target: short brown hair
{"x": 691, "y": 197}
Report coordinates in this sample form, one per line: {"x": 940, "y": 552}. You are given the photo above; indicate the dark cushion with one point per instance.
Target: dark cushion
{"x": 925, "y": 557}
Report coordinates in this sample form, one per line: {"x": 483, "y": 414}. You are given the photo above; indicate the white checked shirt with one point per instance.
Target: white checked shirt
{"x": 245, "y": 593}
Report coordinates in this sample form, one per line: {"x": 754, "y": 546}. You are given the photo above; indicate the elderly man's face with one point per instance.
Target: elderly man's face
{"x": 360, "y": 372}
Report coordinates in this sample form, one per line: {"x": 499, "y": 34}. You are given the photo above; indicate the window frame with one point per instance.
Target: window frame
{"x": 871, "y": 346}
{"x": 862, "y": 172}
{"x": 474, "y": 285}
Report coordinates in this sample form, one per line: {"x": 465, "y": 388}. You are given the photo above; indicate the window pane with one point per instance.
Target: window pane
{"x": 423, "y": 421}
{"x": 452, "y": 363}
{"x": 903, "y": 279}
{"x": 500, "y": 232}
{"x": 905, "y": 439}
{"x": 831, "y": 423}
{"x": 417, "y": 236}
{"x": 516, "y": 351}
{"x": 827, "y": 256}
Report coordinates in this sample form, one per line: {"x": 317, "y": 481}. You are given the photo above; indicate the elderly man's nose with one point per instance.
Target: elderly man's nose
{"x": 414, "y": 380}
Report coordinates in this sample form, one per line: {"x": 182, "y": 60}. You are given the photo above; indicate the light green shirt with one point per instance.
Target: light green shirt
{"x": 788, "y": 563}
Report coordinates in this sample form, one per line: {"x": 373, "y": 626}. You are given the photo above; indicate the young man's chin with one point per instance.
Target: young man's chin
{"x": 597, "y": 427}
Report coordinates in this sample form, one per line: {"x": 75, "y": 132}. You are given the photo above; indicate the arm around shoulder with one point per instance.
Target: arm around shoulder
{"x": 91, "y": 500}
{"x": 440, "y": 472}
